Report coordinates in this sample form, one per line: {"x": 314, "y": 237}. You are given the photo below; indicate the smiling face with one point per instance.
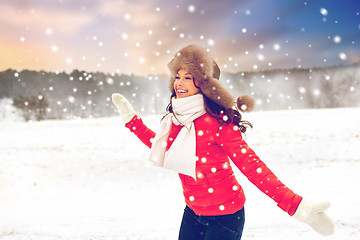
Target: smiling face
{"x": 184, "y": 84}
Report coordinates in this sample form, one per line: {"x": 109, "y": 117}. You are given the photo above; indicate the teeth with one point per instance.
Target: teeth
{"x": 181, "y": 91}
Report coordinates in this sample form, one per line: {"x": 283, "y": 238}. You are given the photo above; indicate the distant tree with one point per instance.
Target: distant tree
{"x": 32, "y": 107}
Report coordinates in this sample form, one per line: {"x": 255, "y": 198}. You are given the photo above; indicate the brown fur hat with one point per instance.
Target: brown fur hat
{"x": 204, "y": 69}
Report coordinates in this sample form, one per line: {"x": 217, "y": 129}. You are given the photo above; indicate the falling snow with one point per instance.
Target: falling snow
{"x": 191, "y": 8}
{"x": 342, "y": 56}
{"x": 323, "y": 11}
{"x": 337, "y": 39}
{"x": 82, "y": 170}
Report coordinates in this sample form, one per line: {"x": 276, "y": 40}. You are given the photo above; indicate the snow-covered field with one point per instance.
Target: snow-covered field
{"x": 90, "y": 179}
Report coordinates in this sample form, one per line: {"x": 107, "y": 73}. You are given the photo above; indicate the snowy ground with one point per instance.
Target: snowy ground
{"x": 89, "y": 179}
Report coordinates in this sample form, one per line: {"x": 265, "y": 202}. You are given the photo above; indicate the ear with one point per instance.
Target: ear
{"x": 196, "y": 83}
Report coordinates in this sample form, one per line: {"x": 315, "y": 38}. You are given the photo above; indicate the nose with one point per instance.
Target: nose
{"x": 179, "y": 81}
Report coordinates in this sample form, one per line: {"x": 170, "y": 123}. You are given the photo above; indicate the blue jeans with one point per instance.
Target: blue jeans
{"x": 224, "y": 227}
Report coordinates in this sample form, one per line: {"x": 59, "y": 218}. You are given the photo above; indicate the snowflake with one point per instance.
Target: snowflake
{"x": 127, "y": 16}
{"x": 276, "y": 46}
{"x": 302, "y": 90}
{"x": 110, "y": 81}
{"x": 141, "y": 60}
{"x": 54, "y": 48}
{"x": 71, "y": 99}
{"x": 337, "y": 39}
{"x": 316, "y": 92}
{"x": 48, "y": 31}
{"x": 211, "y": 42}
{"x": 342, "y": 56}
{"x": 68, "y": 60}
{"x": 323, "y": 11}
{"x": 260, "y": 57}
{"x": 125, "y": 36}
{"x": 191, "y": 8}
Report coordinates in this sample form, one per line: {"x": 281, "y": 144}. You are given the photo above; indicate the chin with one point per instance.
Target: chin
{"x": 181, "y": 96}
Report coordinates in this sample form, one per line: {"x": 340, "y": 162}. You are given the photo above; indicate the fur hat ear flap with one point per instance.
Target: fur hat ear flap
{"x": 216, "y": 71}
{"x": 245, "y": 103}
{"x": 212, "y": 88}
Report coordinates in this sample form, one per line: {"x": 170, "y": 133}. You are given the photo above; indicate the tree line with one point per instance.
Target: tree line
{"x": 80, "y": 94}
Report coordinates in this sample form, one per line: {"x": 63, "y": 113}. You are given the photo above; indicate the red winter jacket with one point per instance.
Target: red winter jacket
{"x": 216, "y": 190}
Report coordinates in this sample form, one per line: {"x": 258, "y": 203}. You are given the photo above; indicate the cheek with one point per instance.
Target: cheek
{"x": 192, "y": 87}
{"x": 174, "y": 84}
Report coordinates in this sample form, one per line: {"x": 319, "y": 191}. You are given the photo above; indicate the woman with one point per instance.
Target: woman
{"x": 198, "y": 135}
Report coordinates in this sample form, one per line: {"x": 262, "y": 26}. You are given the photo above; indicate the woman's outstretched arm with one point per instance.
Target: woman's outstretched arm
{"x": 131, "y": 120}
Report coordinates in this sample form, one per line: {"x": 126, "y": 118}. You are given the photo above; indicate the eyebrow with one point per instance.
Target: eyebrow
{"x": 184, "y": 74}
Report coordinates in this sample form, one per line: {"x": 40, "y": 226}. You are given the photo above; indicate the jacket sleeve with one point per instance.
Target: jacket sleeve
{"x": 231, "y": 141}
{"x": 137, "y": 127}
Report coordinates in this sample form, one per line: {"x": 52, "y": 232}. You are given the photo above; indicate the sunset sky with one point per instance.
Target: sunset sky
{"x": 141, "y": 36}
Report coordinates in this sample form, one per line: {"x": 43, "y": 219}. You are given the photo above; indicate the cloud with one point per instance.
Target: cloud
{"x": 134, "y": 14}
{"x": 68, "y": 22}
{"x": 142, "y": 36}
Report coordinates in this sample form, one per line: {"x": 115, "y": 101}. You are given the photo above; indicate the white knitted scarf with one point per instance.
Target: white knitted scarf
{"x": 181, "y": 155}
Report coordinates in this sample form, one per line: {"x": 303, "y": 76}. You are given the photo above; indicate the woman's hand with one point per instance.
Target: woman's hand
{"x": 314, "y": 215}
{"x": 125, "y": 109}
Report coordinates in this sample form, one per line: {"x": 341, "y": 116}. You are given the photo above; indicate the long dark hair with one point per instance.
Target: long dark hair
{"x": 222, "y": 115}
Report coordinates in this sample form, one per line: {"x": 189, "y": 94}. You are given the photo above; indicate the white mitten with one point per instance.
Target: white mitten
{"x": 124, "y": 107}
{"x": 314, "y": 215}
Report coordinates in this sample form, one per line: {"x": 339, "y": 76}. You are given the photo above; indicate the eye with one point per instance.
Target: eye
{"x": 177, "y": 77}
{"x": 188, "y": 78}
